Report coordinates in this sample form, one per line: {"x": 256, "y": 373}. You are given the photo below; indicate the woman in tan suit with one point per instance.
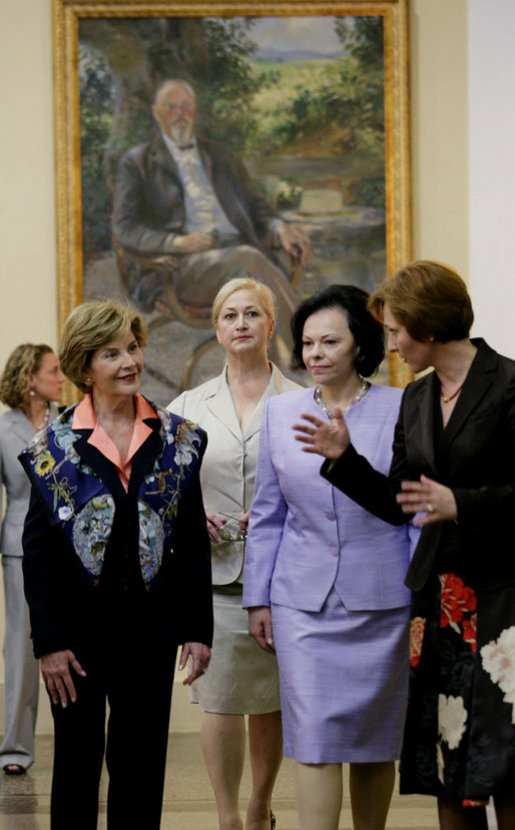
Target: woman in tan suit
{"x": 242, "y": 678}
{"x": 30, "y": 381}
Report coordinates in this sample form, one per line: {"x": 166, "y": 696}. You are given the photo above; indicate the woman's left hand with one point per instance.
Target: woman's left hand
{"x": 260, "y": 627}
{"x": 200, "y": 656}
{"x": 429, "y": 497}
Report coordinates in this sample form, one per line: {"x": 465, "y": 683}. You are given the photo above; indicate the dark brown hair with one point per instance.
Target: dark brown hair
{"x": 366, "y": 331}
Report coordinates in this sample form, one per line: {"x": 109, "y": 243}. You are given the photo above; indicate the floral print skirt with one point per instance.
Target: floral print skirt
{"x": 459, "y": 738}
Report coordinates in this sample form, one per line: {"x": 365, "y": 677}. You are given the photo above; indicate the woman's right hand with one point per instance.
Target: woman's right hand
{"x": 214, "y": 524}
{"x": 55, "y": 668}
{"x": 327, "y": 438}
{"x": 260, "y": 627}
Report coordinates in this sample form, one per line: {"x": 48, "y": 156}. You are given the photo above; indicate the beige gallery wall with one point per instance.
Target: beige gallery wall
{"x": 27, "y": 229}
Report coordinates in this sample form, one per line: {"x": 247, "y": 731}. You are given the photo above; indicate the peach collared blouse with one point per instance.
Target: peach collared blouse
{"x": 84, "y": 417}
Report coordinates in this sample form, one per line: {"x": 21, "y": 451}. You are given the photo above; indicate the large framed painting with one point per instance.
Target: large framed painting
{"x": 198, "y": 141}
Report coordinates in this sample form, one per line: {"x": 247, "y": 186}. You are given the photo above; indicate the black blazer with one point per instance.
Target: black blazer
{"x": 479, "y": 450}
{"x": 119, "y": 615}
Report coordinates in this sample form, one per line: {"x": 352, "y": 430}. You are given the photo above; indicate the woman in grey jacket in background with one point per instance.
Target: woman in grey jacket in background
{"x": 30, "y": 381}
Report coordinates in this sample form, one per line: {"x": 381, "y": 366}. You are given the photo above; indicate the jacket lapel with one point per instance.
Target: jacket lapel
{"x": 143, "y": 460}
{"x": 21, "y": 426}
{"x": 426, "y": 438}
{"x": 229, "y": 192}
{"x": 206, "y": 160}
{"x": 102, "y": 467}
{"x": 478, "y": 382}
{"x": 163, "y": 158}
{"x": 274, "y": 388}
{"x": 221, "y": 405}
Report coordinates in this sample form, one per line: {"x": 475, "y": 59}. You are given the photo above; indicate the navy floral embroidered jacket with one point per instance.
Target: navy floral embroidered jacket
{"x": 110, "y": 570}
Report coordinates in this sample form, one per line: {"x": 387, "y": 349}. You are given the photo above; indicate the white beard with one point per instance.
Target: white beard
{"x": 181, "y": 135}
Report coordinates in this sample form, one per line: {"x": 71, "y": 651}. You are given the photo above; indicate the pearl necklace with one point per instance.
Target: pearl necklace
{"x": 363, "y": 389}
{"x": 44, "y": 422}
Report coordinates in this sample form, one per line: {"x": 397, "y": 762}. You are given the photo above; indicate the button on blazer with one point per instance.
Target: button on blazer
{"x": 305, "y": 536}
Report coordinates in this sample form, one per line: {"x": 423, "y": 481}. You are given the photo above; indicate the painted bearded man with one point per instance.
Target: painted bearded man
{"x": 191, "y": 200}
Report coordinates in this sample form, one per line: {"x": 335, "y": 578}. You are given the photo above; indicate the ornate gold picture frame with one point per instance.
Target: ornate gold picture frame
{"x": 332, "y": 158}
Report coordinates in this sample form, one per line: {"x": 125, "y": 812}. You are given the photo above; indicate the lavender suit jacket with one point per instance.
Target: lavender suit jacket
{"x": 305, "y": 535}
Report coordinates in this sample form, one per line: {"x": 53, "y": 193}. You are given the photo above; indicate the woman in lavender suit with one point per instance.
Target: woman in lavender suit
{"x": 324, "y": 578}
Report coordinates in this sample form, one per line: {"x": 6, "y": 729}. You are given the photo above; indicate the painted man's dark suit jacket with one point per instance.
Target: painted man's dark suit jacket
{"x": 149, "y": 208}
{"x": 479, "y": 451}
{"x": 118, "y": 615}
{"x": 149, "y": 199}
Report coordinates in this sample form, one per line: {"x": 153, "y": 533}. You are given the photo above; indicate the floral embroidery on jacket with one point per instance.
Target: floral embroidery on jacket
{"x": 91, "y": 532}
{"x": 45, "y": 464}
{"x": 83, "y": 506}
{"x": 151, "y": 542}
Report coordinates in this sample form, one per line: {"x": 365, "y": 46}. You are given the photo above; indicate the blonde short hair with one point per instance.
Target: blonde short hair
{"x": 23, "y": 362}
{"x": 264, "y": 295}
{"x": 88, "y": 328}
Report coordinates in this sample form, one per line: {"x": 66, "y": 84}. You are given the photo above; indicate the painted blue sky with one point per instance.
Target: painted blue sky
{"x": 295, "y": 34}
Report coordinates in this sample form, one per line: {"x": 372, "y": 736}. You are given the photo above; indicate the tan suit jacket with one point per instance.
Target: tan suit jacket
{"x": 228, "y": 469}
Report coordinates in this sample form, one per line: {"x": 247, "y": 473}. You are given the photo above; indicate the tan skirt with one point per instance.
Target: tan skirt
{"x": 242, "y": 679}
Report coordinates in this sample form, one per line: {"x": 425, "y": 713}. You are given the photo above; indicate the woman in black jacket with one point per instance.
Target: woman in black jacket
{"x": 117, "y": 572}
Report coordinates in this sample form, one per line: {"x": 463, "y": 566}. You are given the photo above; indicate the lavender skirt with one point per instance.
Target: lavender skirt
{"x": 344, "y": 681}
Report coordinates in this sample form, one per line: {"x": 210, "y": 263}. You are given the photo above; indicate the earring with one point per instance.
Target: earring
{"x": 32, "y": 393}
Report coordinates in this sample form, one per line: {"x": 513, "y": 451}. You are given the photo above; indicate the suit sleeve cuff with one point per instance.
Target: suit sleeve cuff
{"x": 332, "y": 468}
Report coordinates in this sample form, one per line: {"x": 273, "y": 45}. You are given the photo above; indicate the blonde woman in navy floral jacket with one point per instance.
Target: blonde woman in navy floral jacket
{"x": 117, "y": 572}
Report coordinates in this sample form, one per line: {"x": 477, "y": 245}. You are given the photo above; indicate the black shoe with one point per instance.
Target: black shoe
{"x": 273, "y": 821}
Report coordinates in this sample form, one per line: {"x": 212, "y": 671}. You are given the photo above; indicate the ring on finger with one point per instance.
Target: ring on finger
{"x": 429, "y": 507}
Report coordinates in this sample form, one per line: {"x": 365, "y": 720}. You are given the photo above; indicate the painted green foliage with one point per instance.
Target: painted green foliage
{"x": 326, "y": 107}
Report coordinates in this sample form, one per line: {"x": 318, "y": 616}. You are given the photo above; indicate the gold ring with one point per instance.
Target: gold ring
{"x": 429, "y": 507}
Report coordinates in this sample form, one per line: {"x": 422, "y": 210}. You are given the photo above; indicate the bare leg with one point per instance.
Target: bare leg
{"x": 453, "y": 817}
{"x": 505, "y": 812}
{"x": 223, "y": 745}
{"x": 319, "y": 796}
{"x": 371, "y": 788}
{"x": 266, "y": 752}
